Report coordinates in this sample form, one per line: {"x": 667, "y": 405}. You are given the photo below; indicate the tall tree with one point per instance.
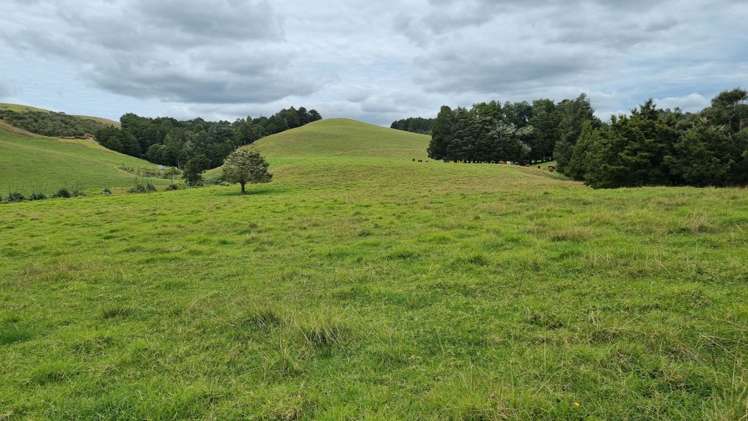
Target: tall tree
{"x": 442, "y": 134}
{"x": 572, "y": 115}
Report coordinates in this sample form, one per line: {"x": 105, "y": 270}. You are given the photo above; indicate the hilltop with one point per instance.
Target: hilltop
{"x": 344, "y": 138}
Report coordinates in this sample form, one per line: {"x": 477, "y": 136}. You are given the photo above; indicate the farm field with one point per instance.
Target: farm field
{"x": 361, "y": 284}
{"x": 38, "y": 164}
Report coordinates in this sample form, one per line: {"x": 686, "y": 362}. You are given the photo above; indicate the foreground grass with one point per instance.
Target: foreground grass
{"x": 37, "y": 164}
{"x": 367, "y": 288}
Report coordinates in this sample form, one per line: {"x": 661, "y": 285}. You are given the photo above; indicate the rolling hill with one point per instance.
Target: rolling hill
{"x": 31, "y": 163}
{"x": 344, "y": 138}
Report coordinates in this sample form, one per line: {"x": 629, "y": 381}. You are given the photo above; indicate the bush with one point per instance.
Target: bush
{"x": 143, "y": 188}
{"x": 138, "y": 188}
{"x": 106, "y": 191}
{"x": 63, "y": 193}
{"x": 172, "y": 187}
{"x": 37, "y": 196}
{"x": 15, "y": 197}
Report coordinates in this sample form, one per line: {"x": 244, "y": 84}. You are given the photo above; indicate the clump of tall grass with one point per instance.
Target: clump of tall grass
{"x": 15, "y": 197}
{"x": 142, "y": 188}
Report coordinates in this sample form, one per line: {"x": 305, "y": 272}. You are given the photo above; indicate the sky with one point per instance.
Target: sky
{"x": 376, "y": 61}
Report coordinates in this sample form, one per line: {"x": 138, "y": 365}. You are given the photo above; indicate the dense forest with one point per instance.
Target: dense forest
{"x": 415, "y": 125}
{"x": 47, "y": 123}
{"x": 195, "y": 143}
{"x": 516, "y": 132}
{"x": 650, "y": 146}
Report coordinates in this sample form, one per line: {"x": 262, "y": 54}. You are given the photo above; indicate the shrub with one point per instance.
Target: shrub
{"x": 172, "y": 187}
{"x": 63, "y": 193}
{"x": 37, "y": 196}
{"x": 15, "y": 197}
{"x": 106, "y": 191}
{"x": 138, "y": 188}
{"x": 142, "y": 188}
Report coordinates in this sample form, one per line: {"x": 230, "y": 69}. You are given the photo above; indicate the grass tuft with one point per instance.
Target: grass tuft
{"x": 325, "y": 335}
{"x": 261, "y": 320}
{"x": 117, "y": 313}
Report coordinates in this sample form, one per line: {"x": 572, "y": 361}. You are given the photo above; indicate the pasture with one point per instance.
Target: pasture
{"x": 360, "y": 284}
{"x": 38, "y": 164}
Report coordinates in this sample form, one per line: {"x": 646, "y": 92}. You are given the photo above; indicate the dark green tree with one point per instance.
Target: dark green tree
{"x": 572, "y": 115}
{"x": 442, "y": 134}
{"x": 193, "y": 170}
{"x": 245, "y": 166}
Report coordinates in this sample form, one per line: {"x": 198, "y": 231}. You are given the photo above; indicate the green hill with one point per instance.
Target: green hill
{"x": 344, "y": 138}
{"x": 30, "y": 163}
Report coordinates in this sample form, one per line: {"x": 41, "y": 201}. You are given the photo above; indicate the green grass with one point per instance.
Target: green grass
{"x": 30, "y": 164}
{"x": 361, "y": 285}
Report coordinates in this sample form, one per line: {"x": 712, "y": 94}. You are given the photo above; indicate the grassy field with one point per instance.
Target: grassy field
{"x": 31, "y": 163}
{"x": 362, "y": 285}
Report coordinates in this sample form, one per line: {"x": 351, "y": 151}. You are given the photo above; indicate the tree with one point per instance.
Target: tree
{"x": 573, "y": 114}
{"x": 705, "y": 156}
{"x": 442, "y": 133}
{"x": 244, "y": 166}
{"x": 545, "y": 120}
{"x": 193, "y": 170}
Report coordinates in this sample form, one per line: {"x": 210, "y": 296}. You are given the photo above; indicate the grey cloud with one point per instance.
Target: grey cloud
{"x": 494, "y": 71}
{"x": 222, "y": 18}
{"x": 382, "y": 60}
{"x": 5, "y": 91}
{"x": 231, "y": 51}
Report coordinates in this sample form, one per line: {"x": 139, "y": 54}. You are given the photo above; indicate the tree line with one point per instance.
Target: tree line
{"x": 651, "y": 146}
{"x": 414, "y": 124}
{"x": 195, "y": 145}
{"x": 519, "y": 132}
{"x": 654, "y": 146}
{"x": 48, "y": 123}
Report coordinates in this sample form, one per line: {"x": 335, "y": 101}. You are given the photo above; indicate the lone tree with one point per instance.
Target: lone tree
{"x": 244, "y": 166}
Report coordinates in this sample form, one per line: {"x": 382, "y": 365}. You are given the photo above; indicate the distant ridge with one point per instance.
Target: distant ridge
{"x": 20, "y": 108}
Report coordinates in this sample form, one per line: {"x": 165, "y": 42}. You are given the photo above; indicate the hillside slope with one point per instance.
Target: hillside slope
{"x": 41, "y": 164}
{"x": 344, "y": 137}
{"x": 19, "y": 108}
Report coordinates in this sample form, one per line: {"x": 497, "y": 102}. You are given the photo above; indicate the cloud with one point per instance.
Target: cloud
{"x": 691, "y": 102}
{"x": 176, "y": 51}
{"x": 5, "y": 90}
{"x": 378, "y": 60}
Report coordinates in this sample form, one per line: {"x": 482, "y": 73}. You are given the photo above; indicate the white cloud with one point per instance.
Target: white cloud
{"x": 691, "y": 102}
